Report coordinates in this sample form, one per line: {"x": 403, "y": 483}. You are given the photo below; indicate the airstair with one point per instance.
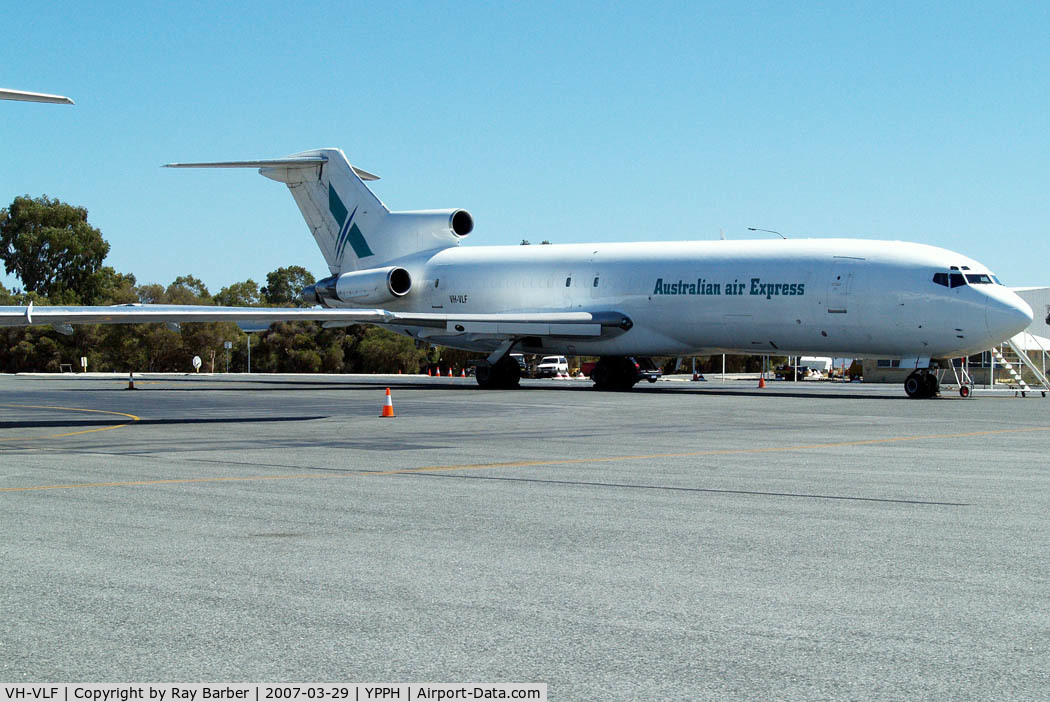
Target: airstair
{"x": 1014, "y": 356}
{"x": 1021, "y": 345}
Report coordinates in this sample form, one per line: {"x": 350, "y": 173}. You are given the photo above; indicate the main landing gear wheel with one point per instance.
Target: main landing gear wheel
{"x": 922, "y": 384}
{"x": 964, "y": 391}
{"x": 614, "y": 373}
{"x": 505, "y": 374}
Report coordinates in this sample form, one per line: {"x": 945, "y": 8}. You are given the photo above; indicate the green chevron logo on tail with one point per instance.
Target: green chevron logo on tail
{"x": 348, "y": 231}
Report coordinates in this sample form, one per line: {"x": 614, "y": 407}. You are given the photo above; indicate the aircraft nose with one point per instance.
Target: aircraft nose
{"x": 1007, "y": 315}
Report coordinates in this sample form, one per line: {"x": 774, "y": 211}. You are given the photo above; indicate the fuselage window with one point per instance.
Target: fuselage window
{"x": 941, "y": 279}
{"x": 978, "y": 279}
{"x": 568, "y": 282}
{"x": 437, "y": 282}
{"x": 957, "y": 280}
{"x": 595, "y": 282}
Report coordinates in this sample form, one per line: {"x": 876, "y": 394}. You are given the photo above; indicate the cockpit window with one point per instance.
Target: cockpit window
{"x": 957, "y": 280}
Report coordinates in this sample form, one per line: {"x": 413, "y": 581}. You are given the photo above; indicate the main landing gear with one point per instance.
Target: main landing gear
{"x": 922, "y": 384}
{"x": 504, "y": 374}
{"x": 615, "y": 373}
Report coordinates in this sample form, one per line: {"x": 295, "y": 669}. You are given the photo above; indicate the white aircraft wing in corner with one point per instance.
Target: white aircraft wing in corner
{"x": 25, "y": 96}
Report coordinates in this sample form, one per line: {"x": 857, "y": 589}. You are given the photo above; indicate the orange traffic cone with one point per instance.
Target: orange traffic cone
{"x": 761, "y": 382}
{"x": 450, "y": 371}
{"x": 388, "y": 406}
{"x": 462, "y": 372}
{"x": 131, "y": 381}
{"x": 428, "y": 372}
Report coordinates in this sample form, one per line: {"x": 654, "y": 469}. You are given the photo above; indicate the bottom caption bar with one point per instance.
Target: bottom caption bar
{"x": 269, "y": 692}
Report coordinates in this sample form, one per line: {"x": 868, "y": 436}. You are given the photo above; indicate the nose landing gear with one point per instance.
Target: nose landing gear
{"x": 922, "y": 384}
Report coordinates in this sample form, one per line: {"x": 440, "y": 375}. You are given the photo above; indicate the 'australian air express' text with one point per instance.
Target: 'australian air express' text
{"x": 702, "y": 286}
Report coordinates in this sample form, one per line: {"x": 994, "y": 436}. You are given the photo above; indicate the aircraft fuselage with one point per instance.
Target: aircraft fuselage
{"x": 828, "y": 297}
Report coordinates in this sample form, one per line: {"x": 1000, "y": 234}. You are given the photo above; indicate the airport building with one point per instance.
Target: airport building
{"x": 1039, "y": 300}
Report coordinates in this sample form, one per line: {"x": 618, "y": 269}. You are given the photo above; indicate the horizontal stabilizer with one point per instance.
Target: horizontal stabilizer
{"x": 291, "y": 162}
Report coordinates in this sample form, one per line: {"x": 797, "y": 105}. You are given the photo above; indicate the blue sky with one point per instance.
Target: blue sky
{"x": 571, "y": 122}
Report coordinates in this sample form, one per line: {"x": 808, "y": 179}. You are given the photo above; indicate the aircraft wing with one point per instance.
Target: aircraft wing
{"x": 138, "y": 314}
{"x": 26, "y": 96}
{"x": 481, "y": 325}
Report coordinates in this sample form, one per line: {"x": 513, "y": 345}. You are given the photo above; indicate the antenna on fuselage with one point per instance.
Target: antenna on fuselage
{"x": 771, "y": 231}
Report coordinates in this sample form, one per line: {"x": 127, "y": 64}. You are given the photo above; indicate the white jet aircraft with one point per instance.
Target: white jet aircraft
{"x": 408, "y": 271}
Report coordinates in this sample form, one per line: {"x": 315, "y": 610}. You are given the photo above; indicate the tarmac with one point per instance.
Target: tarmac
{"x": 681, "y": 541}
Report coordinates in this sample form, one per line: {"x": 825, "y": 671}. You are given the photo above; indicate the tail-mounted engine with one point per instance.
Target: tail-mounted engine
{"x": 429, "y": 228}
{"x": 371, "y": 286}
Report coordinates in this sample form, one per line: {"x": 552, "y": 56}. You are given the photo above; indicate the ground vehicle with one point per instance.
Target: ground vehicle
{"x": 647, "y": 370}
{"x": 552, "y": 366}
{"x": 789, "y": 372}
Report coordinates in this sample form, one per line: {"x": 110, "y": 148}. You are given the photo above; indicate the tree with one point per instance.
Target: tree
{"x": 383, "y": 351}
{"x": 107, "y": 287}
{"x": 244, "y": 294}
{"x": 284, "y": 286}
{"x": 49, "y": 245}
{"x": 188, "y": 290}
{"x": 150, "y": 294}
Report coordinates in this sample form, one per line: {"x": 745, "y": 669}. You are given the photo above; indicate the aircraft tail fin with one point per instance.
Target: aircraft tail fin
{"x": 332, "y": 197}
{"x": 352, "y": 227}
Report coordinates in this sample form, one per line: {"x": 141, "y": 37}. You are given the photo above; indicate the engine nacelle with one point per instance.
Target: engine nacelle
{"x": 437, "y": 226}
{"x": 373, "y": 286}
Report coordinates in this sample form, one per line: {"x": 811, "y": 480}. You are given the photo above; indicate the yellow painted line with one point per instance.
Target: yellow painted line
{"x": 132, "y": 417}
{"x": 525, "y": 464}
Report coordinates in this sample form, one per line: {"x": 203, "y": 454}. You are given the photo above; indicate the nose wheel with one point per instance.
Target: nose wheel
{"x": 922, "y": 384}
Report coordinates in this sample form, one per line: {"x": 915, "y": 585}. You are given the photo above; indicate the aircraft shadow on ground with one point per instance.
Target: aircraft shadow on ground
{"x": 662, "y": 389}
{"x": 46, "y": 423}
